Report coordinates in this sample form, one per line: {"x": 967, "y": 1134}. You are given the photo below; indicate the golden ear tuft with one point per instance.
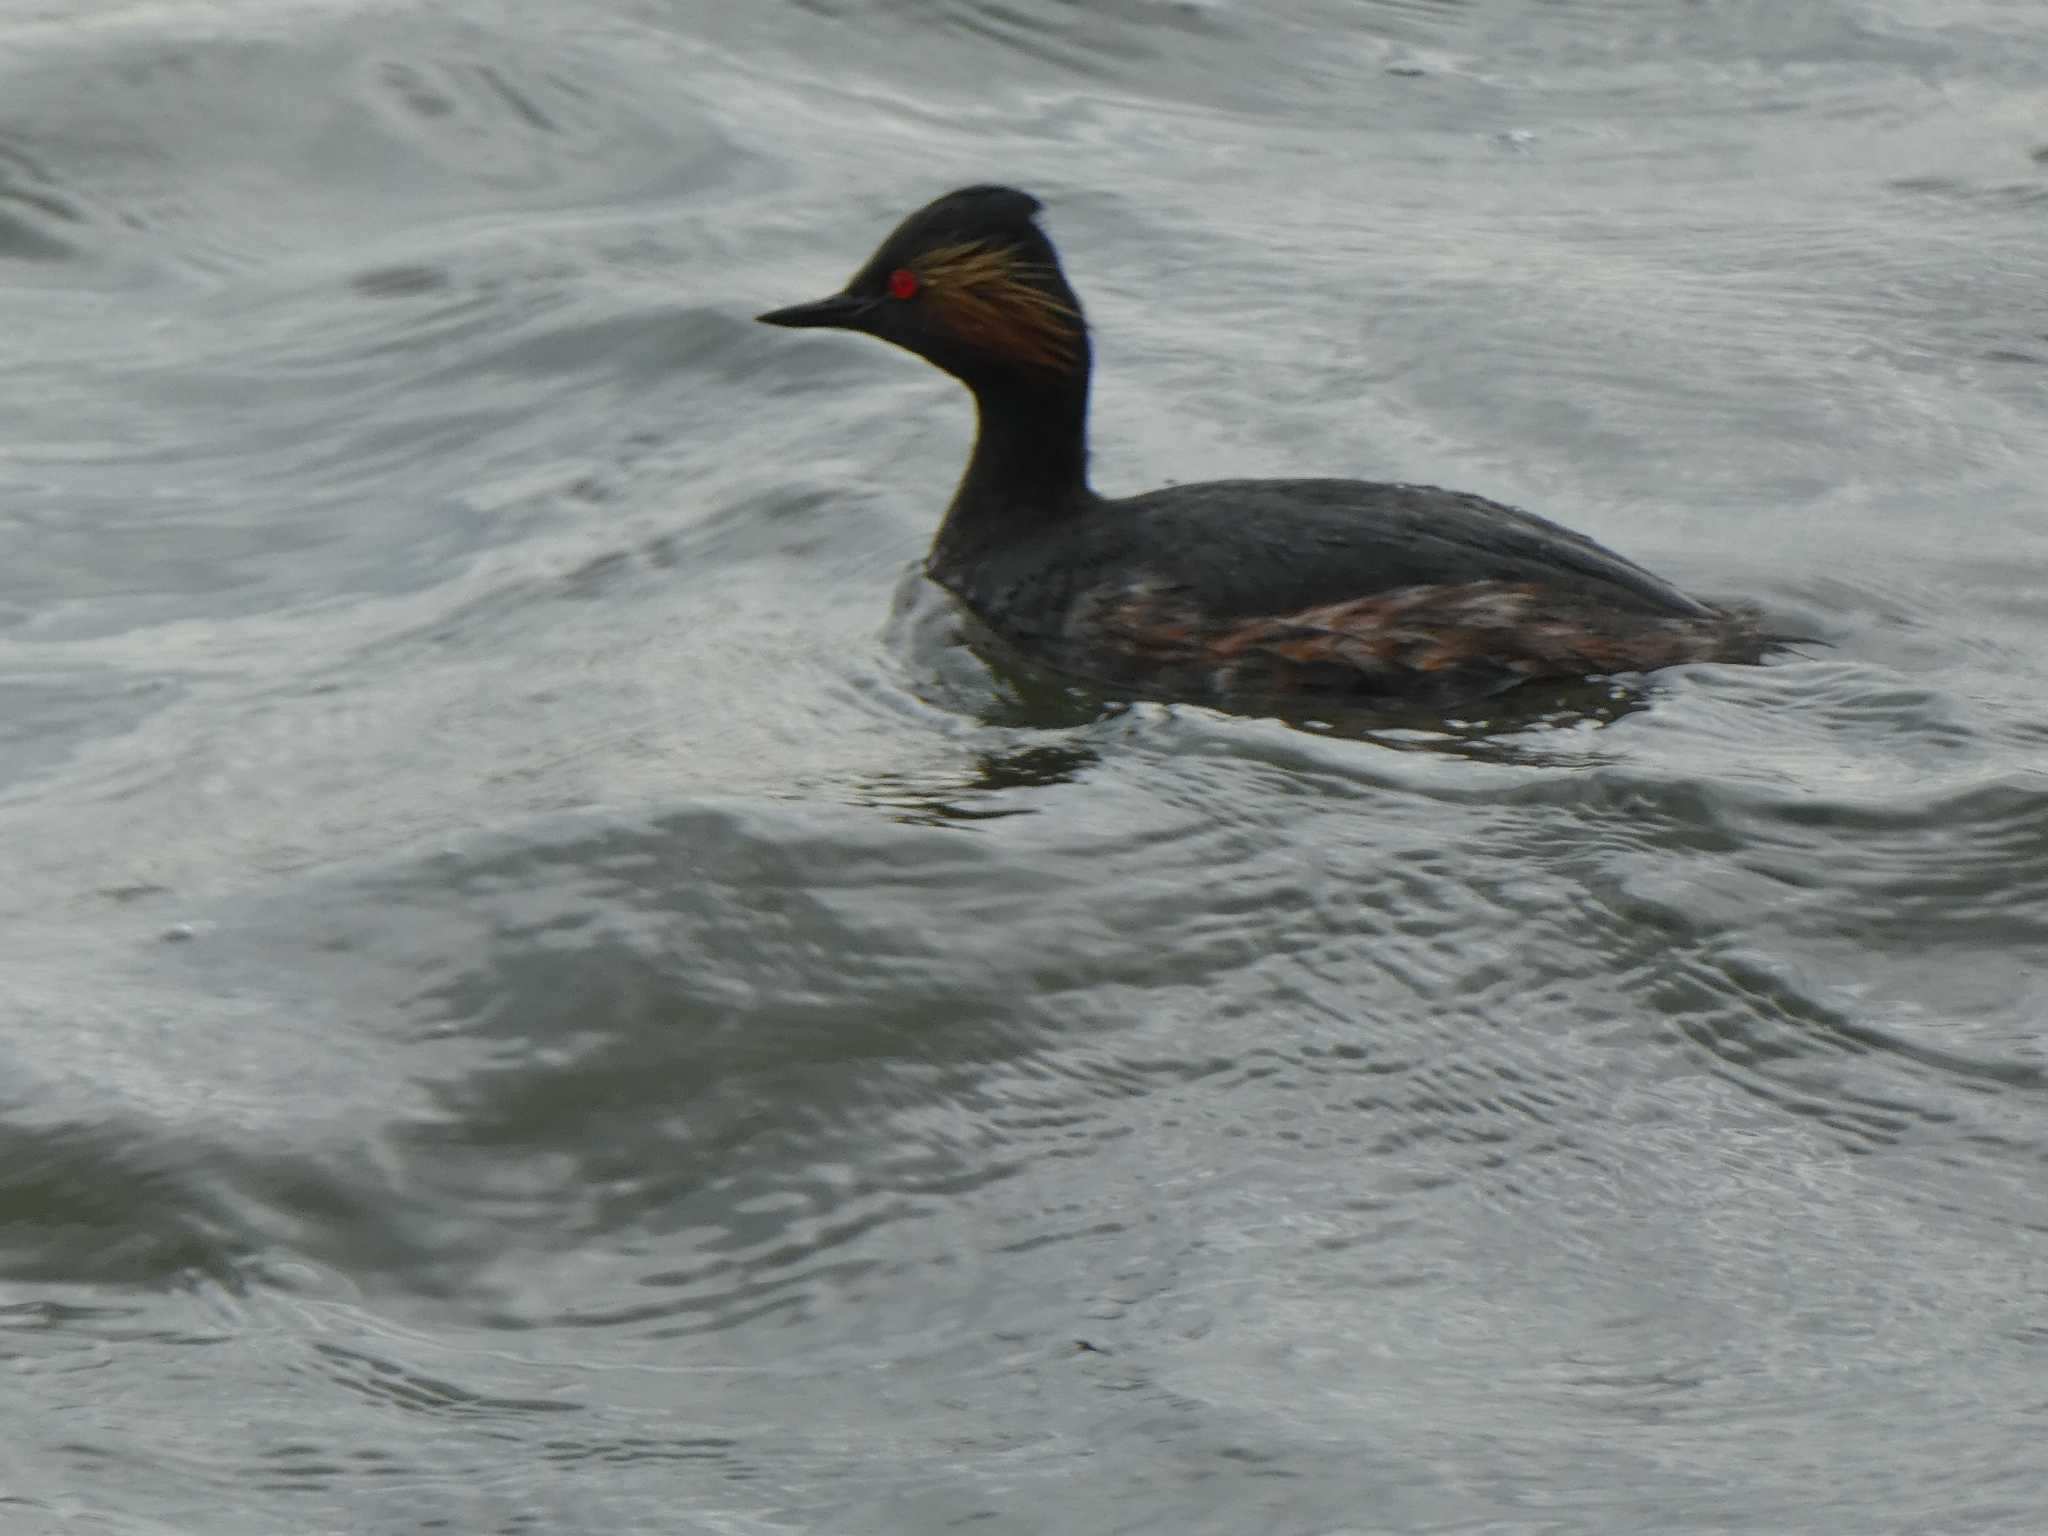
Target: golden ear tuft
{"x": 984, "y": 294}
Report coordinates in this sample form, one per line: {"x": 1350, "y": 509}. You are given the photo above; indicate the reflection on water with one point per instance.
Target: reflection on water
{"x": 979, "y": 794}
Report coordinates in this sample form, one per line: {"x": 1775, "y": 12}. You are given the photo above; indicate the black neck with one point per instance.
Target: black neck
{"x": 1029, "y": 468}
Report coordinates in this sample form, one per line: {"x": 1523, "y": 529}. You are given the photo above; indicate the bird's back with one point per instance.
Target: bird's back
{"x": 1331, "y": 585}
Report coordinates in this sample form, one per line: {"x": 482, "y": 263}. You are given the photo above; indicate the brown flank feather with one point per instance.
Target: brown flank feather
{"x": 984, "y": 295}
{"x": 1519, "y": 626}
{"x": 1469, "y": 637}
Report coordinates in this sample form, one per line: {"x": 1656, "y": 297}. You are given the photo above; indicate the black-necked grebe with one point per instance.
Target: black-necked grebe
{"x": 1233, "y": 587}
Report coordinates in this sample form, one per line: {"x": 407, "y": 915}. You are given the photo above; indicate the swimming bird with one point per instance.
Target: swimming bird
{"x": 1229, "y": 589}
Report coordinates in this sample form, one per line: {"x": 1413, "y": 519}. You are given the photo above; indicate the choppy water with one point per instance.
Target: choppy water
{"x": 542, "y": 993}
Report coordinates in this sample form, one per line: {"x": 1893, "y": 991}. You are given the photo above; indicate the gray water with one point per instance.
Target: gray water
{"x": 541, "y": 989}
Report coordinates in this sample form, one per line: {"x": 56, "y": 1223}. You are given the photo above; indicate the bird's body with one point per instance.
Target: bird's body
{"x": 1229, "y": 588}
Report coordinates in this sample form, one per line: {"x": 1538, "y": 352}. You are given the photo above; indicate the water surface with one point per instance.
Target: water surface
{"x": 546, "y": 992}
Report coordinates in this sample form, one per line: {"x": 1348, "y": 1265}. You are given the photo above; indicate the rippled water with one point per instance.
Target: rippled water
{"x": 544, "y": 990}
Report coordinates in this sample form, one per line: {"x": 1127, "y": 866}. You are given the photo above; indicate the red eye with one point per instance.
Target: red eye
{"x": 902, "y": 283}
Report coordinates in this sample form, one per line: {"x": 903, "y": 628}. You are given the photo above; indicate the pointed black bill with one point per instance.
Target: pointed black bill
{"x": 842, "y": 309}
